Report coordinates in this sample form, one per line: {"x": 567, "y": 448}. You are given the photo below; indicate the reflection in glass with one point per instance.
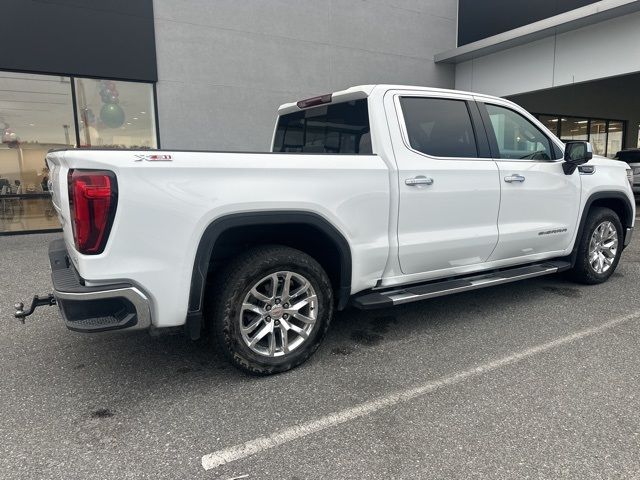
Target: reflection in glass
{"x": 614, "y": 139}
{"x": 516, "y": 136}
{"x": 550, "y": 122}
{"x": 572, "y": 128}
{"x": 115, "y": 114}
{"x": 598, "y": 136}
{"x": 36, "y": 115}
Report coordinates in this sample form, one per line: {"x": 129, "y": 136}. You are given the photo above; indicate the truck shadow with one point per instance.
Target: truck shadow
{"x": 111, "y": 374}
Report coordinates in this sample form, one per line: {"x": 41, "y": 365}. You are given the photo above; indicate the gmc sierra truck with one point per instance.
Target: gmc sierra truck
{"x": 371, "y": 197}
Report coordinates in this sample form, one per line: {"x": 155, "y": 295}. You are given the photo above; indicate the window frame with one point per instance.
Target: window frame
{"x": 76, "y": 112}
{"x": 555, "y": 144}
{"x": 482, "y": 144}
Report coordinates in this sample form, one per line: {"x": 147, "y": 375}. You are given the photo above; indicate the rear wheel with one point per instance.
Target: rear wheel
{"x": 600, "y": 247}
{"x": 272, "y": 308}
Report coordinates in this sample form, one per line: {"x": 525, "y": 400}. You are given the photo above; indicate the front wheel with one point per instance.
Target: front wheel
{"x": 600, "y": 247}
{"x": 272, "y": 308}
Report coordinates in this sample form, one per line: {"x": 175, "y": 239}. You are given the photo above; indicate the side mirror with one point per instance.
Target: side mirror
{"x": 576, "y": 153}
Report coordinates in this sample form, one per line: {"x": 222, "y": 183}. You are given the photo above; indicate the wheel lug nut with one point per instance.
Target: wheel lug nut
{"x": 268, "y": 318}
{"x": 286, "y": 305}
{"x": 268, "y": 307}
{"x": 277, "y": 322}
{"x": 277, "y": 300}
{"x": 285, "y": 316}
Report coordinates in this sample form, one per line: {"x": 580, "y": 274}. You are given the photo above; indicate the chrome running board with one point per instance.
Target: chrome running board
{"x": 416, "y": 292}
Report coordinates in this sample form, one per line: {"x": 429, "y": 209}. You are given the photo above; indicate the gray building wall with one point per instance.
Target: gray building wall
{"x": 224, "y": 66}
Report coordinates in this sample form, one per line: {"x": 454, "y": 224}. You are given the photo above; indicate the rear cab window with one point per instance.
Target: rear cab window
{"x": 439, "y": 127}
{"x": 341, "y": 128}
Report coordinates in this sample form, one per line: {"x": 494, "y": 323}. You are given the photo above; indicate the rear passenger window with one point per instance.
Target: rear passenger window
{"x": 439, "y": 127}
{"x": 341, "y": 128}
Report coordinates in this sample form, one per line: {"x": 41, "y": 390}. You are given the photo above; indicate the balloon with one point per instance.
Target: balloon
{"x": 112, "y": 115}
{"x": 9, "y": 136}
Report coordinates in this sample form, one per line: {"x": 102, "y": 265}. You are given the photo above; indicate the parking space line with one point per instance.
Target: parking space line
{"x": 260, "y": 444}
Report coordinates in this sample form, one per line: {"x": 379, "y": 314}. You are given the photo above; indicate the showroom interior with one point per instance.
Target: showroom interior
{"x": 144, "y": 74}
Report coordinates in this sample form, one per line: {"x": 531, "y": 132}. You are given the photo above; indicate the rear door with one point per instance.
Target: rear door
{"x": 448, "y": 184}
{"x": 540, "y": 204}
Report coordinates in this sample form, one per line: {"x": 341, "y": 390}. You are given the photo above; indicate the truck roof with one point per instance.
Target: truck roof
{"x": 362, "y": 91}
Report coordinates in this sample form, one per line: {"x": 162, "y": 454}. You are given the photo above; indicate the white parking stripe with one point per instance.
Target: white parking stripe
{"x": 260, "y": 444}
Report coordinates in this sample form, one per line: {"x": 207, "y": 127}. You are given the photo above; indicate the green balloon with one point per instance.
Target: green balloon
{"x": 112, "y": 115}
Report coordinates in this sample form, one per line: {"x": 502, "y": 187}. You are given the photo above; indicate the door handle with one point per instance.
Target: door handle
{"x": 419, "y": 180}
{"x": 514, "y": 178}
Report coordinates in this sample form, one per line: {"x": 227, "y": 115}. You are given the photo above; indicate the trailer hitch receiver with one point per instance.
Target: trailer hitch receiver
{"x": 38, "y": 301}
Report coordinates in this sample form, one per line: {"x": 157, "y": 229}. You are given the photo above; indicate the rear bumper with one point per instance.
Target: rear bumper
{"x": 120, "y": 306}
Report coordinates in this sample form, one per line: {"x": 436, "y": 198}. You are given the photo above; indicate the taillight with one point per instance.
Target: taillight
{"x": 93, "y": 196}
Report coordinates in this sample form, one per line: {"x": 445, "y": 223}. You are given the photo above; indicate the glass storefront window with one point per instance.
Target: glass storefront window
{"x": 574, "y": 128}
{"x": 606, "y": 136}
{"x": 598, "y": 136}
{"x": 36, "y": 115}
{"x": 550, "y": 122}
{"x": 614, "y": 138}
{"x": 115, "y": 114}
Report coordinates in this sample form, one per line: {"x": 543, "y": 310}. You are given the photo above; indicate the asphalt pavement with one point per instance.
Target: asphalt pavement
{"x": 536, "y": 379}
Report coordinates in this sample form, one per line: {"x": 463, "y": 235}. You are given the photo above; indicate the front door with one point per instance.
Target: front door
{"x": 449, "y": 186}
{"x": 540, "y": 204}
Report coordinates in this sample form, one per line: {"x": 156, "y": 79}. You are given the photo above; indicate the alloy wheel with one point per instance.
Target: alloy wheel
{"x": 603, "y": 247}
{"x": 278, "y": 314}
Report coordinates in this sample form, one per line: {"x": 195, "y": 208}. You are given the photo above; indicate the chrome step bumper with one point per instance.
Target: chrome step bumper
{"x": 95, "y": 309}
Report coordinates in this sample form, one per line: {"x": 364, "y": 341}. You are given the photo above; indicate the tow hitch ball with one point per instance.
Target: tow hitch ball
{"x": 37, "y": 301}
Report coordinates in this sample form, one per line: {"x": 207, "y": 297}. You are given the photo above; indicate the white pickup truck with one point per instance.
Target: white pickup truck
{"x": 371, "y": 197}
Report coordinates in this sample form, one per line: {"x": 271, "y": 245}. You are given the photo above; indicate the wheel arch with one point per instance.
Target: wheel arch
{"x": 616, "y": 201}
{"x": 337, "y": 260}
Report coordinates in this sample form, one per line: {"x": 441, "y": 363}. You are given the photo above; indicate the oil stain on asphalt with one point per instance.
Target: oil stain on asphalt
{"x": 342, "y": 350}
{"x": 368, "y": 339}
{"x": 102, "y": 413}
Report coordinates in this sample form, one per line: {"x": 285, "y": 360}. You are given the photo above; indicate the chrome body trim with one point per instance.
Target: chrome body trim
{"x": 475, "y": 98}
{"x": 587, "y": 169}
{"x": 628, "y": 235}
{"x": 419, "y": 180}
{"x": 402, "y": 296}
{"x": 134, "y": 295}
{"x": 514, "y": 178}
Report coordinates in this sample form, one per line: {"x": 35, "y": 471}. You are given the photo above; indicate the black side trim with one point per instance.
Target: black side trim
{"x": 626, "y": 222}
{"x": 64, "y": 275}
{"x": 215, "y": 229}
{"x": 482, "y": 138}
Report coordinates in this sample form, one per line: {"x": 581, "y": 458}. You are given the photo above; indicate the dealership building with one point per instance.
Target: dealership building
{"x": 209, "y": 75}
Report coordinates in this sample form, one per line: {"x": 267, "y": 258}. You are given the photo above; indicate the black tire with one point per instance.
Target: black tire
{"x": 582, "y": 271}
{"x": 235, "y": 282}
